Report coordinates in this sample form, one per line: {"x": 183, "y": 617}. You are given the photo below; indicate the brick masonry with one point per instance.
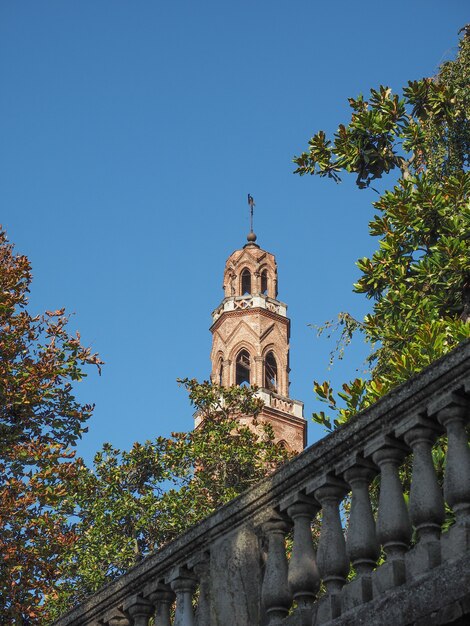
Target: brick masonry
{"x": 256, "y": 326}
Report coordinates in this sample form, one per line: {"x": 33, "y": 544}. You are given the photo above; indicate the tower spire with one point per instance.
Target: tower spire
{"x": 251, "y": 235}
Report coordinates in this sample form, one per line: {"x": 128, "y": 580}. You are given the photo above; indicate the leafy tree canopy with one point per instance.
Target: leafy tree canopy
{"x": 40, "y": 420}
{"x": 419, "y": 277}
{"x": 131, "y": 503}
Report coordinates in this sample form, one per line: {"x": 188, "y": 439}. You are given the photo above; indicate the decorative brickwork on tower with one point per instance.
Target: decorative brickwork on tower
{"x": 250, "y": 340}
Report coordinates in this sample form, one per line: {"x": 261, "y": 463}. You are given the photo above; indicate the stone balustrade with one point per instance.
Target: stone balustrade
{"x": 394, "y": 566}
{"x": 273, "y": 400}
{"x": 257, "y": 301}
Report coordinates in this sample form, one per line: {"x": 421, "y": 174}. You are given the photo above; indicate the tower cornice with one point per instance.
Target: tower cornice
{"x": 249, "y": 312}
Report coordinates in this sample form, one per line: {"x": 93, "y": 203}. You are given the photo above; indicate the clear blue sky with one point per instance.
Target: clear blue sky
{"x": 131, "y": 133}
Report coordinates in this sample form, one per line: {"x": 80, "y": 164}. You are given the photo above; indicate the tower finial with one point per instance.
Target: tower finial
{"x": 251, "y": 236}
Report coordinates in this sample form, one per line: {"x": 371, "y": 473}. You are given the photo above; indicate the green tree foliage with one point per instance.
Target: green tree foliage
{"x": 131, "y": 503}
{"x": 40, "y": 420}
{"x": 419, "y": 277}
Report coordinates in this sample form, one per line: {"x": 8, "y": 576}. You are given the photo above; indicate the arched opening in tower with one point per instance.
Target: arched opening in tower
{"x": 264, "y": 282}
{"x": 221, "y": 373}
{"x": 270, "y": 372}
{"x": 243, "y": 367}
{"x": 246, "y": 281}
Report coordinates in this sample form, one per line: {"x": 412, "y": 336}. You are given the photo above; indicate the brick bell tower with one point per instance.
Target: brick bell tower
{"x": 250, "y": 340}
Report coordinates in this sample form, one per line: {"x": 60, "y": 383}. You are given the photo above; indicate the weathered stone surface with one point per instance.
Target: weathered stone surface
{"x": 356, "y": 592}
{"x": 303, "y": 578}
{"x": 115, "y": 617}
{"x": 329, "y": 607}
{"x": 425, "y": 621}
{"x": 426, "y": 500}
{"x": 235, "y": 567}
{"x": 419, "y": 601}
{"x": 362, "y": 544}
{"x": 301, "y": 617}
{"x": 387, "y": 576}
{"x": 449, "y": 613}
{"x": 465, "y": 602}
{"x": 332, "y": 559}
{"x": 184, "y": 583}
{"x": 422, "y": 558}
{"x": 455, "y": 541}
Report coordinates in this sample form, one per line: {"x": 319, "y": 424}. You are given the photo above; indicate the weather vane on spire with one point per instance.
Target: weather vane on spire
{"x": 251, "y": 202}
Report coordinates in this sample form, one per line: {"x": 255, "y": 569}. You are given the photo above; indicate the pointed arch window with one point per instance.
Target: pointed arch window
{"x": 243, "y": 368}
{"x": 246, "y": 281}
{"x": 264, "y": 282}
{"x": 270, "y": 372}
{"x": 220, "y": 373}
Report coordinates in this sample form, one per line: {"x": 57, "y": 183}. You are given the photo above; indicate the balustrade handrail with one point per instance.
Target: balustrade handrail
{"x": 315, "y": 478}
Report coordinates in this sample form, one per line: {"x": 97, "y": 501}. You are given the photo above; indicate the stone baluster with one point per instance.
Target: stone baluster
{"x": 361, "y": 543}
{"x": 184, "y": 585}
{"x": 303, "y": 577}
{"x": 275, "y": 595}
{"x": 202, "y": 571}
{"x": 333, "y": 562}
{"x": 139, "y": 609}
{"x": 393, "y": 522}
{"x": 426, "y": 503}
{"x": 454, "y": 418}
{"x": 162, "y": 597}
